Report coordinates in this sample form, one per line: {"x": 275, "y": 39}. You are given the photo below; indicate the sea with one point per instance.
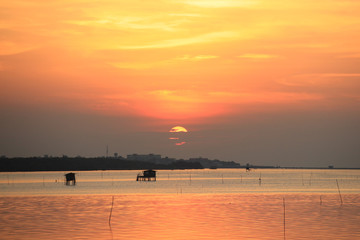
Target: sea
{"x": 204, "y": 204}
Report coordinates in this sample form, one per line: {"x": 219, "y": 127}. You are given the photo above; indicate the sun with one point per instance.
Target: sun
{"x": 178, "y": 135}
{"x": 178, "y": 129}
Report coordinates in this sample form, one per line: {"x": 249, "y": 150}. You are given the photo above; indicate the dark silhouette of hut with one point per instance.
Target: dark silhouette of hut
{"x": 148, "y": 175}
{"x": 70, "y": 177}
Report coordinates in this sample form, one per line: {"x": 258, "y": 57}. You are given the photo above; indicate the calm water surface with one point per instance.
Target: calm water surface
{"x": 190, "y": 204}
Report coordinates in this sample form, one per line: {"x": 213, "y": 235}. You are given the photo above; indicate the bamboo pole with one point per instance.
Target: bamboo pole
{"x": 112, "y": 205}
{"x": 284, "y": 218}
{"x": 339, "y": 192}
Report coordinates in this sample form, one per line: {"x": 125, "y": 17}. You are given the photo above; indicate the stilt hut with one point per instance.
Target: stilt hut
{"x": 148, "y": 175}
{"x": 70, "y": 179}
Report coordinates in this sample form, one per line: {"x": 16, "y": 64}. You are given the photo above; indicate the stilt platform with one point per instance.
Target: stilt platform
{"x": 148, "y": 175}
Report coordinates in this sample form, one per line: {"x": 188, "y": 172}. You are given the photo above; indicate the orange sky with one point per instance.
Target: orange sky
{"x": 180, "y": 61}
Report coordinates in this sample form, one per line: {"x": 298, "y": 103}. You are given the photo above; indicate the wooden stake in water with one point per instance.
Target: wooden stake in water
{"x": 112, "y": 205}
{"x": 260, "y": 179}
{"x": 284, "y": 217}
{"x": 339, "y": 192}
{"x": 320, "y": 200}
{"x": 302, "y": 179}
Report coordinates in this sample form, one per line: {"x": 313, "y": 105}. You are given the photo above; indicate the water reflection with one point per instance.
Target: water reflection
{"x": 192, "y": 204}
{"x": 192, "y": 216}
{"x": 186, "y": 181}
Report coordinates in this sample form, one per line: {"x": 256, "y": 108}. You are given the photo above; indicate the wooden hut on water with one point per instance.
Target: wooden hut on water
{"x": 70, "y": 178}
{"x": 148, "y": 175}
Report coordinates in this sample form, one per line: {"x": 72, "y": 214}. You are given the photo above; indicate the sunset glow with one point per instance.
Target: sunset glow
{"x": 202, "y": 63}
{"x": 181, "y": 59}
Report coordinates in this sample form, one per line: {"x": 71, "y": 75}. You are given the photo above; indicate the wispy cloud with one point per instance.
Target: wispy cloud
{"x": 185, "y": 14}
{"x": 353, "y": 55}
{"x": 257, "y": 56}
{"x": 219, "y": 3}
{"x": 10, "y": 48}
{"x": 316, "y": 79}
{"x": 338, "y": 75}
{"x": 233, "y": 97}
{"x": 205, "y": 38}
{"x": 139, "y": 65}
{"x": 196, "y": 58}
{"x": 129, "y": 22}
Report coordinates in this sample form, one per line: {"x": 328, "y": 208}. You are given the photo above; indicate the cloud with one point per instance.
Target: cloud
{"x": 204, "y": 38}
{"x": 354, "y": 55}
{"x": 138, "y": 65}
{"x": 185, "y": 14}
{"x": 338, "y": 75}
{"x": 196, "y": 58}
{"x": 257, "y": 56}
{"x": 141, "y": 65}
{"x": 10, "y": 48}
{"x": 316, "y": 79}
{"x": 231, "y": 97}
{"x": 219, "y": 3}
{"x": 129, "y": 22}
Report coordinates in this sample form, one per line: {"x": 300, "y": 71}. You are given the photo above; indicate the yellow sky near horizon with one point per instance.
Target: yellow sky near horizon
{"x": 180, "y": 60}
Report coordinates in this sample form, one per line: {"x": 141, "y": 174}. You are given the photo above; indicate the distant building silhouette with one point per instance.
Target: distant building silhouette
{"x": 144, "y": 157}
{"x": 207, "y": 163}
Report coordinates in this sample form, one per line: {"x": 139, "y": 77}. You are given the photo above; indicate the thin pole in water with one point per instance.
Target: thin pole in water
{"x": 320, "y": 200}
{"x": 302, "y": 179}
{"x": 284, "y": 217}
{"x": 260, "y": 179}
{"x": 112, "y": 205}
{"x": 339, "y": 192}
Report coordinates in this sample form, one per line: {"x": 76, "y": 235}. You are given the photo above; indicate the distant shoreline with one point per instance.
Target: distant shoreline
{"x": 85, "y": 164}
{"x": 34, "y": 164}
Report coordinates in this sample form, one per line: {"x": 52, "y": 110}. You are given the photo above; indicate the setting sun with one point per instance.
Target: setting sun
{"x": 178, "y": 129}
